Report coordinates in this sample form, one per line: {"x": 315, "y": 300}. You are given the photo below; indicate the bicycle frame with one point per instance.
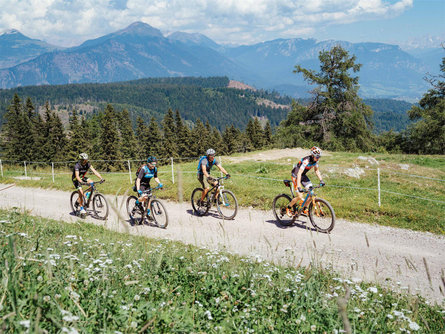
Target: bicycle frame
{"x": 219, "y": 187}
{"x": 91, "y": 189}
{"x": 149, "y": 193}
{"x": 310, "y": 193}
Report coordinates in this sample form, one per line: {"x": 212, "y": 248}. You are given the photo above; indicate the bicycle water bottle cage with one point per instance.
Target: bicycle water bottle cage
{"x": 287, "y": 183}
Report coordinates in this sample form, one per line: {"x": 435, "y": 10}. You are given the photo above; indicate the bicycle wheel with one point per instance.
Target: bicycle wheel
{"x": 227, "y": 204}
{"x": 279, "y": 209}
{"x": 134, "y": 212}
{"x": 158, "y": 213}
{"x": 73, "y": 201}
{"x": 322, "y": 215}
{"x": 200, "y": 208}
{"x": 100, "y": 206}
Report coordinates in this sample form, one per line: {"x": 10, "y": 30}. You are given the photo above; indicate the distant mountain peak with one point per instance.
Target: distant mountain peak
{"x": 192, "y": 38}
{"x": 140, "y": 28}
{"x": 11, "y": 32}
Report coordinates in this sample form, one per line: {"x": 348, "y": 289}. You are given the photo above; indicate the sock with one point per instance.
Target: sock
{"x": 137, "y": 201}
{"x": 81, "y": 208}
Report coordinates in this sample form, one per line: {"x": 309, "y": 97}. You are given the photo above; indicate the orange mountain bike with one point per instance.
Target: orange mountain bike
{"x": 320, "y": 212}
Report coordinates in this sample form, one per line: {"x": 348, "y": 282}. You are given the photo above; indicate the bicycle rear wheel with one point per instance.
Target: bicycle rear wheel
{"x": 322, "y": 215}
{"x": 227, "y": 204}
{"x": 159, "y": 213}
{"x": 100, "y": 206}
{"x": 279, "y": 206}
{"x": 200, "y": 208}
{"x": 73, "y": 200}
{"x": 134, "y": 212}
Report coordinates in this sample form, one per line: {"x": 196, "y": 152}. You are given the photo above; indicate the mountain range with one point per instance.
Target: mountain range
{"x": 141, "y": 51}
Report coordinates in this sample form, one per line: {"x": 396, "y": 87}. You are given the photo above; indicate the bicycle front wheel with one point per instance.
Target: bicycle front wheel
{"x": 279, "y": 206}
{"x": 100, "y": 206}
{"x": 227, "y": 204}
{"x": 200, "y": 207}
{"x": 134, "y": 212}
{"x": 159, "y": 213}
{"x": 75, "y": 206}
{"x": 322, "y": 215}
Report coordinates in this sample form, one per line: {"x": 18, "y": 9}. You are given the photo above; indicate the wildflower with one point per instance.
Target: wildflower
{"x": 57, "y": 296}
{"x": 46, "y": 298}
{"x": 70, "y": 330}
{"x": 414, "y": 326}
{"x": 134, "y": 324}
{"x": 70, "y": 318}
{"x": 137, "y": 297}
{"x": 372, "y": 289}
{"x": 39, "y": 278}
{"x": 208, "y": 314}
{"x": 313, "y": 328}
{"x": 25, "y": 323}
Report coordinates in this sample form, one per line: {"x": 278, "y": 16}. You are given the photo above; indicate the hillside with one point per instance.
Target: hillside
{"x": 209, "y": 99}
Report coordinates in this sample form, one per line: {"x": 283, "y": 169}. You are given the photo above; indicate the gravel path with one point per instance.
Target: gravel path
{"x": 395, "y": 257}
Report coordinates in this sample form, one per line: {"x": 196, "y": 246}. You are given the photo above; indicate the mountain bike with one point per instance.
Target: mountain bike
{"x": 139, "y": 212}
{"x": 225, "y": 200}
{"x": 100, "y": 204}
{"x": 320, "y": 212}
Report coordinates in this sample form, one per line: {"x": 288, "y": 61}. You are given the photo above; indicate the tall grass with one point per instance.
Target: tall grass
{"x": 353, "y": 198}
{"x": 78, "y": 278}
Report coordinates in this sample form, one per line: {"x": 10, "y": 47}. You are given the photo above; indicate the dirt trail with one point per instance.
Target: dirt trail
{"x": 394, "y": 256}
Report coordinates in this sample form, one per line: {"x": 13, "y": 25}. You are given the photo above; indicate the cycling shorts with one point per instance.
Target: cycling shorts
{"x": 76, "y": 183}
{"x": 201, "y": 180}
{"x": 305, "y": 182}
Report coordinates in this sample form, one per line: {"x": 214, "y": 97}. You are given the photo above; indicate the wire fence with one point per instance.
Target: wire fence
{"x": 35, "y": 169}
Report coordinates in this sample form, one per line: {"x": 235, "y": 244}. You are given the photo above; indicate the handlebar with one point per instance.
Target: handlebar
{"x": 151, "y": 189}
{"x": 311, "y": 188}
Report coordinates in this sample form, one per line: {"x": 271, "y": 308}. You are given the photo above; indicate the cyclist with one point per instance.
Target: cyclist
{"x": 146, "y": 173}
{"x": 206, "y": 162}
{"x": 80, "y": 170}
{"x": 300, "y": 178}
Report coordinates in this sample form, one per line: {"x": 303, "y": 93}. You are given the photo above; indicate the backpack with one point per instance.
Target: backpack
{"x": 208, "y": 162}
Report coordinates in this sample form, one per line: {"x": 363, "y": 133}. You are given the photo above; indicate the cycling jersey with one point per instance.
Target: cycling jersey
{"x": 83, "y": 169}
{"x": 204, "y": 161}
{"x": 146, "y": 174}
{"x": 307, "y": 163}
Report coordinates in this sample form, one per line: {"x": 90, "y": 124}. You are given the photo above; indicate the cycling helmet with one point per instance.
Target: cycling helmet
{"x": 151, "y": 159}
{"x": 210, "y": 151}
{"x": 316, "y": 152}
{"x": 83, "y": 156}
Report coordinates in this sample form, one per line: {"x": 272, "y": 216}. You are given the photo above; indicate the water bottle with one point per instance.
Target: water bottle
{"x": 87, "y": 195}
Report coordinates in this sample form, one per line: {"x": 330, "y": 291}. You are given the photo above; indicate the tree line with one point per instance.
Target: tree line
{"x": 111, "y": 135}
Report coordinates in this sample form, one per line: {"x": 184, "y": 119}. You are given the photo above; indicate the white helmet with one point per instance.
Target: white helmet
{"x": 316, "y": 152}
{"x": 83, "y": 156}
{"x": 210, "y": 151}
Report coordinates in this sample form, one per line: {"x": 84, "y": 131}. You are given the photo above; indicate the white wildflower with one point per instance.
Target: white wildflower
{"x": 414, "y": 326}
{"x": 25, "y": 323}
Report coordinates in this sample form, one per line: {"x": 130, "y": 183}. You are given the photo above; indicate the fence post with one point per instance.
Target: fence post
{"x": 52, "y": 169}
{"x": 129, "y": 171}
{"x": 1, "y": 167}
{"x": 173, "y": 172}
{"x": 220, "y": 162}
{"x": 26, "y": 173}
{"x": 378, "y": 185}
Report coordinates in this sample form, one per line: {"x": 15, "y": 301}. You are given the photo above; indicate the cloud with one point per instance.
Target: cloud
{"x": 69, "y": 23}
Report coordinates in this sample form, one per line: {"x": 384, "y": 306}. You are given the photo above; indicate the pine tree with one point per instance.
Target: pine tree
{"x": 182, "y": 137}
{"x": 339, "y": 116}
{"x": 200, "y": 139}
{"x": 109, "y": 139}
{"x": 13, "y": 131}
{"x": 154, "y": 140}
{"x": 128, "y": 147}
{"x": 142, "y": 146}
{"x": 268, "y": 134}
{"x": 258, "y": 134}
{"x": 169, "y": 138}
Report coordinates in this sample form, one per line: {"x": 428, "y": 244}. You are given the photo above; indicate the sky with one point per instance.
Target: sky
{"x": 408, "y": 23}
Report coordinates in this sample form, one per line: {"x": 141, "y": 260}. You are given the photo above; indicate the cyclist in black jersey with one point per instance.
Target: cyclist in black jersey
{"x": 80, "y": 169}
{"x": 300, "y": 179}
{"x": 206, "y": 162}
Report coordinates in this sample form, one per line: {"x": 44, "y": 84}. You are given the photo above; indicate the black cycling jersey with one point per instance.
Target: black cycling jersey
{"x": 307, "y": 163}
{"x": 83, "y": 169}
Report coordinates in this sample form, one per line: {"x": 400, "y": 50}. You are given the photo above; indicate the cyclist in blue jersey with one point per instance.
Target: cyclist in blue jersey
{"x": 205, "y": 164}
{"x": 300, "y": 179}
{"x": 80, "y": 170}
{"x": 146, "y": 173}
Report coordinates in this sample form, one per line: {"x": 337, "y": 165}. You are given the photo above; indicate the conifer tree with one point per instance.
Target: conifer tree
{"x": 154, "y": 139}
{"x": 13, "y": 131}
{"x": 337, "y": 116}
{"x": 55, "y": 145}
{"x": 142, "y": 146}
{"x": 128, "y": 141}
{"x": 200, "y": 139}
{"x": 109, "y": 139}
{"x": 268, "y": 134}
{"x": 169, "y": 139}
{"x": 182, "y": 137}
{"x": 258, "y": 134}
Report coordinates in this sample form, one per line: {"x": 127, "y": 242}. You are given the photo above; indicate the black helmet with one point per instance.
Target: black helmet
{"x": 151, "y": 159}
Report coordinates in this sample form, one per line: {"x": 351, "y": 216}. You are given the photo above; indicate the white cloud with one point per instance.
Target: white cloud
{"x": 65, "y": 22}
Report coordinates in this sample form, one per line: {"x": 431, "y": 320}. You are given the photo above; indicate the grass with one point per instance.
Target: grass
{"x": 352, "y": 198}
{"x": 79, "y": 278}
